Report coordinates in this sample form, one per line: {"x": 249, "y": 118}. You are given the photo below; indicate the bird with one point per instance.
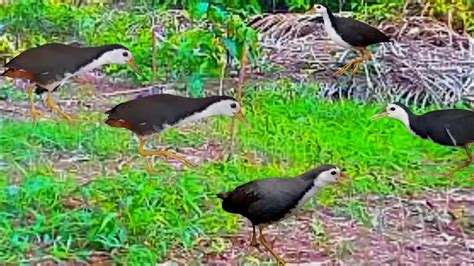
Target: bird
{"x": 351, "y": 34}
{"x": 153, "y": 114}
{"x": 270, "y": 200}
{"x": 449, "y": 127}
{"x": 48, "y": 66}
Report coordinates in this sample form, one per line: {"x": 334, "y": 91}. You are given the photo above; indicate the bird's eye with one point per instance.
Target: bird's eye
{"x": 318, "y": 7}
{"x": 233, "y": 105}
{"x": 392, "y": 109}
{"x": 125, "y": 54}
{"x": 333, "y": 173}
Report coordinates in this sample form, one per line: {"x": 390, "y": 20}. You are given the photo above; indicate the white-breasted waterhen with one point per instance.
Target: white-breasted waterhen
{"x": 451, "y": 127}
{"x": 267, "y": 201}
{"x": 153, "y": 114}
{"x": 350, "y": 33}
{"x": 49, "y": 66}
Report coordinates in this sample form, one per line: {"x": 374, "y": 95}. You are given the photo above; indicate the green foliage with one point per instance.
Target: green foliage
{"x": 193, "y": 55}
{"x": 461, "y": 12}
{"x": 378, "y": 10}
{"x": 141, "y": 218}
{"x": 201, "y": 51}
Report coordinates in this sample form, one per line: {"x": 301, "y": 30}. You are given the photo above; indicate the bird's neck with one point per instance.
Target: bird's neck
{"x": 313, "y": 184}
{"x": 329, "y": 18}
{"x": 211, "y": 110}
{"x": 197, "y": 116}
{"x": 313, "y": 187}
{"x": 409, "y": 120}
{"x": 103, "y": 59}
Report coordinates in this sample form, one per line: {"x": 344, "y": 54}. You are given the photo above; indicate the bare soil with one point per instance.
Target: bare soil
{"x": 432, "y": 228}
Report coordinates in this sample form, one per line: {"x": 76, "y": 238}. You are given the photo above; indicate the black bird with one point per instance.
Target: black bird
{"x": 452, "y": 127}
{"x": 351, "y": 34}
{"x": 267, "y": 201}
{"x": 49, "y": 66}
{"x": 153, "y": 114}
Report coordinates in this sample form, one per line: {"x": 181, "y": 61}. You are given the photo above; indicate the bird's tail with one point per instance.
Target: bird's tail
{"x": 113, "y": 122}
{"x": 6, "y": 72}
{"x": 223, "y": 195}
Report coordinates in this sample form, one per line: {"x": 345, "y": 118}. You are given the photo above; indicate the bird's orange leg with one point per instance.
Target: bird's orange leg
{"x": 254, "y": 243}
{"x": 264, "y": 242}
{"x": 356, "y": 62}
{"x": 368, "y": 56}
{"x": 462, "y": 166}
{"x": 57, "y": 109}
{"x": 465, "y": 164}
{"x": 167, "y": 154}
{"x": 34, "y": 112}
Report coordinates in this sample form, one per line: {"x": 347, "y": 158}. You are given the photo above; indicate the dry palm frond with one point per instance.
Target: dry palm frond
{"x": 426, "y": 64}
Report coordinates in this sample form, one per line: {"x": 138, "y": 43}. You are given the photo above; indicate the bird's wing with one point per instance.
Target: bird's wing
{"x": 48, "y": 58}
{"x": 155, "y": 111}
{"x": 143, "y": 109}
{"x": 461, "y": 129}
{"x": 241, "y": 197}
{"x": 275, "y": 198}
{"x": 358, "y": 33}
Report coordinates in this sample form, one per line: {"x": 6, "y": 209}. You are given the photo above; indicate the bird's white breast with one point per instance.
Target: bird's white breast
{"x": 307, "y": 196}
{"x": 333, "y": 34}
{"x": 91, "y": 66}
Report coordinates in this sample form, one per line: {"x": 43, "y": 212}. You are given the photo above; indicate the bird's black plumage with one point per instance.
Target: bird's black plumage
{"x": 40, "y": 90}
{"x": 150, "y": 114}
{"x": 50, "y": 62}
{"x": 269, "y": 200}
{"x": 356, "y": 33}
{"x": 451, "y": 127}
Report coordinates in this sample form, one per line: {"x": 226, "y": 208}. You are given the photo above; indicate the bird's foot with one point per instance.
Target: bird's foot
{"x": 281, "y": 262}
{"x": 37, "y": 114}
{"x": 151, "y": 170}
{"x": 356, "y": 69}
{"x": 72, "y": 119}
{"x": 342, "y": 71}
{"x": 175, "y": 156}
{"x": 188, "y": 163}
{"x": 68, "y": 117}
{"x": 254, "y": 243}
{"x": 448, "y": 175}
{"x": 354, "y": 65}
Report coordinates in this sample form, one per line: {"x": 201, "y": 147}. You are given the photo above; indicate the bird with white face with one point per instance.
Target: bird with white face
{"x": 269, "y": 200}
{"x": 154, "y": 114}
{"x": 351, "y": 34}
{"x": 450, "y": 127}
{"x": 51, "y": 65}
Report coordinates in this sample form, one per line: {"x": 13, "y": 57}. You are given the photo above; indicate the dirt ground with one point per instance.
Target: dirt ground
{"x": 432, "y": 228}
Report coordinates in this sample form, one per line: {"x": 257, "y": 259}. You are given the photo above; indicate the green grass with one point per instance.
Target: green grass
{"x": 140, "y": 222}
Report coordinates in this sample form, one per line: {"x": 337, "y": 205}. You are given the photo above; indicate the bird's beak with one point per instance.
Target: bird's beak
{"x": 134, "y": 66}
{"x": 380, "y": 115}
{"x": 242, "y": 118}
{"x": 311, "y": 11}
{"x": 343, "y": 178}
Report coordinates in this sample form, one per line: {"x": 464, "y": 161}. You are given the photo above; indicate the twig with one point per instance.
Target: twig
{"x": 132, "y": 91}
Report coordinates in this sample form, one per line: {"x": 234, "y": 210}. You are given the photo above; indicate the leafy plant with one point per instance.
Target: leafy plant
{"x": 458, "y": 13}
{"x": 195, "y": 54}
{"x": 201, "y": 51}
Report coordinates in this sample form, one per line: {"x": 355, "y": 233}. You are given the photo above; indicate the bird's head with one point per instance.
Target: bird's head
{"x": 318, "y": 9}
{"x": 119, "y": 54}
{"x": 394, "y": 110}
{"x": 228, "y": 106}
{"x": 326, "y": 174}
